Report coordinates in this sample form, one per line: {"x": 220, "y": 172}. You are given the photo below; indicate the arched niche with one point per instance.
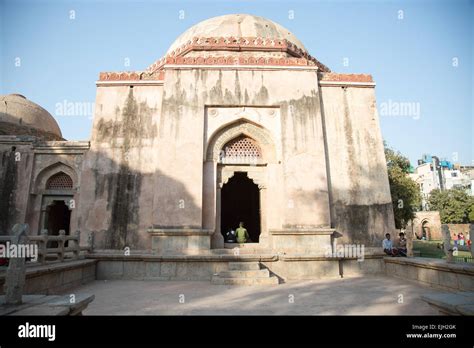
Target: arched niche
{"x": 241, "y": 129}
{"x": 52, "y": 170}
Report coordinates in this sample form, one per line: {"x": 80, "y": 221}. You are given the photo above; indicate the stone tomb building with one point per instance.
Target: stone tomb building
{"x": 238, "y": 122}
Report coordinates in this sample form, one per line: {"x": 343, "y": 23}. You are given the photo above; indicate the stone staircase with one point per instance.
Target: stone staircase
{"x": 245, "y": 273}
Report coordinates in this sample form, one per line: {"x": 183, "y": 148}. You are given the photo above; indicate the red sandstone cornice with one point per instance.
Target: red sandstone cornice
{"x": 239, "y": 44}
{"x": 155, "y": 72}
{"x": 131, "y": 76}
{"x": 345, "y": 77}
{"x": 158, "y": 74}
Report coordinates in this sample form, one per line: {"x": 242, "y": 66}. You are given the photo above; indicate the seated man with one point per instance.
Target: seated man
{"x": 241, "y": 233}
{"x": 388, "y": 246}
{"x": 402, "y": 244}
{"x": 230, "y": 236}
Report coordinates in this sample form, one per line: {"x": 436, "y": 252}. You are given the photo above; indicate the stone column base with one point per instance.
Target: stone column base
{"x": 179, "y": 241}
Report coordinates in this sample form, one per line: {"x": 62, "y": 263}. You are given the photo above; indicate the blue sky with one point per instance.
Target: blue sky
{"x": 420, "y": 53}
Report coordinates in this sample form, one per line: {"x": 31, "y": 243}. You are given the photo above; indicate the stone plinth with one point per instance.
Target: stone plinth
{"x": 303, "y": 241}
{"x": 179, "y": 241}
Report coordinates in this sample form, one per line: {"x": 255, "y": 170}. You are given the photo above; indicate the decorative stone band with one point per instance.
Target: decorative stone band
{"x": 177, "y": 57}
{"x": 131, "y": 76}
{"x": 334, "y": 79}
{"x": 239, "y": 44}
{"x": 303, "y": 231}
{"x": 195, "y": 61}
{"x": 345, "y": 77}
{"x": 179, "y": 232}
{"x": 238, "y": 61}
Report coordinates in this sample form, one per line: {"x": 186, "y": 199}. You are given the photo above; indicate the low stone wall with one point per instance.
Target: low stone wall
{"x": 55, "y": 278}
{"x": 203, "y": 267}
{"x": 300, "y": 267}
{"x": 432, "y": 272}
{"x": 171, "y": 267}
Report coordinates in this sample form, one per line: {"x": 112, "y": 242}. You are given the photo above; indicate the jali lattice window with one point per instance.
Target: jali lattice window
{"x": 241, "y": 150}
{"x": 59, "y": 181}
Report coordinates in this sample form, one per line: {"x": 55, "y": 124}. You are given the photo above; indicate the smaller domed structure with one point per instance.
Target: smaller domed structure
{"x": 20, "y": 116}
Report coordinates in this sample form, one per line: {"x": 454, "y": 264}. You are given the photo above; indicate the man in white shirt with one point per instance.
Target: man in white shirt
{"x": 387, "y": 246}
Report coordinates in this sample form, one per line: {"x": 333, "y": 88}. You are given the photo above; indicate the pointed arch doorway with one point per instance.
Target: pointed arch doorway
{"x": 240, "y": 202}
{"x": 235, "y": 181}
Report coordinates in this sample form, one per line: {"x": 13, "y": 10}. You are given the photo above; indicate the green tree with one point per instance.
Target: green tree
{"x": 471, "y": 212}
{"x": 406, "y": 197}
{"x": 455, "y": 206}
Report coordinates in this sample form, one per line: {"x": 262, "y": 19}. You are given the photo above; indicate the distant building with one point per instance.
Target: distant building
{"x": 434, "y": 173}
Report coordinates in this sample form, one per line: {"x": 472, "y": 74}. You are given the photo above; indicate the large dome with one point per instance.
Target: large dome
{"x": 236, "y": 25}
{"x": 20, "y": 113}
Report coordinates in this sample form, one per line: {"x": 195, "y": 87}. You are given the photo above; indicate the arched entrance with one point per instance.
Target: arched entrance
{"x": 240, "y": 202}
{"x": 425, "y": 230}
{"x": 241, "y": 152}
{"x": 57, "y": 202}
{"x": 58, "y": 217}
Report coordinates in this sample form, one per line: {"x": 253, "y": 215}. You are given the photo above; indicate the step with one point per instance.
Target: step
{"x": 243, "y": 266}
{"x": 260, "y": 273}
{"x": 216, "y": 280}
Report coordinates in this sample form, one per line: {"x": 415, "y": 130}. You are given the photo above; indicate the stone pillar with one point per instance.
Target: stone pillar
{"x": 217, "y": 240}
{"x": 447, "y": 243}
{"x": 409, "y": 237}
{"x": 263, "y": 238}
{"x": 471, "y": 238}
{"x": 16, "y": 272}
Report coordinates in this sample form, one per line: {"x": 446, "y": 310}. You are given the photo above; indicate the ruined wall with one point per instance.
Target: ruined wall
{"x": 433, "y": 223}
{"x": 15, "y": 171}
{"x": 361, "y": 205}
{"x": 50, "y": 158}
{"x": 26, "y": 164}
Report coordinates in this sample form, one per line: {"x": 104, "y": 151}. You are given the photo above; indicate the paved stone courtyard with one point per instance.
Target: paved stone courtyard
{"x": 377, "y": 295}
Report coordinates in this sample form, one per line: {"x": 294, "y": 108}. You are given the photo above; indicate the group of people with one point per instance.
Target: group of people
{"x": 240, "y": 235}
{"x": 460, "y": 240}
{"x": 399, "y": 250}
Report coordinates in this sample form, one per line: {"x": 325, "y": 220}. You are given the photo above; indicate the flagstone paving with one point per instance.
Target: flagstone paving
{"x": 375, "y": 295}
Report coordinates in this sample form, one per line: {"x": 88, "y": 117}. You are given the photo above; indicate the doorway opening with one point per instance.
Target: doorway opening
{"x": 240, "y": 199}
{"x": 425, "y": 231}
{"x": 58, "y": 217}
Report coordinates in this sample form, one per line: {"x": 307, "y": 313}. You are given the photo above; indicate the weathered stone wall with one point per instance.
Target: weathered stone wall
{"x": 56, "y": 278}
{"x": 120, "y": 175}
{"x": 298, "y": 191}
{"x": 26, "y": 164}
{"x": 15, "y": 171}
{"x": 361, "y": 205}
{"x": 145, "y": 166}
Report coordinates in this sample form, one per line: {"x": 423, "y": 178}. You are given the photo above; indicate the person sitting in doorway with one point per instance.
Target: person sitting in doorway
{"x": 402, "y": 245}
{"x": 241, "y": 233}
{"x": 230, "y": 236}
{"x": 387, "y": 246}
